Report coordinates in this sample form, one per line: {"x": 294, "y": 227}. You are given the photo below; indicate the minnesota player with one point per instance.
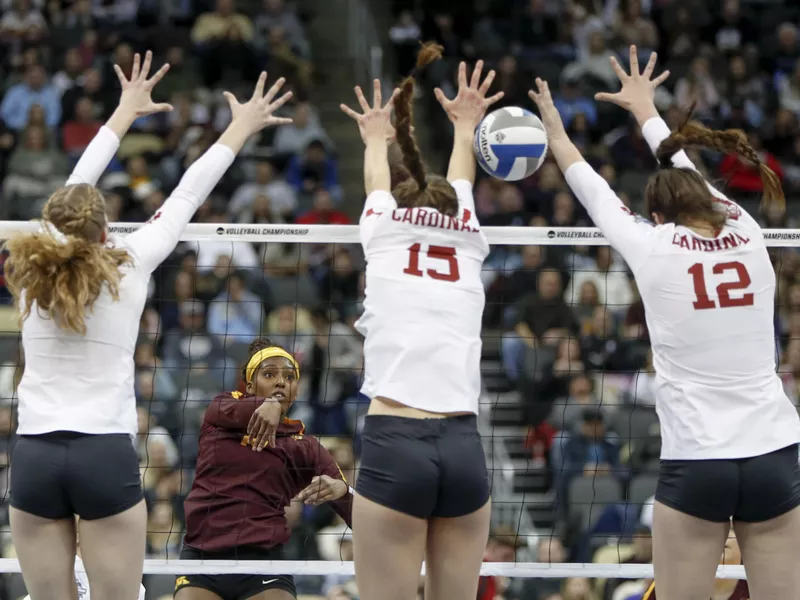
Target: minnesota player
{"x": 252, "y": 463}
{"x": 423, "y": 489}
{"x": 729, "y": 433}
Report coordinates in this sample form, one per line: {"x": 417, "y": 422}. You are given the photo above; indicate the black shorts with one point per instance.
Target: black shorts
{"x": 746, "y": 489}
{"x": 235, "y": 587}
{"x": 61, "y": 474}
{"x": 423, "y": 467}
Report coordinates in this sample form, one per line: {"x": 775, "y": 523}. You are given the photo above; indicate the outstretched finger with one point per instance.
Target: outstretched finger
{"x": 621, "y": 74}
{"x": 496, "y": 98}
{"x": 280, "y": 101}
{"x": 258, "y": 93}
{"x": 148, "y": 61}
{"x": 377, "y": 95}
{"x": 660, "y": 79}
{"x": 650, "y": 66}
{"x": 120, "y": 75}
{"x": 362, "y": 101}
{"x": 136, "y": 67}
{"x": 605, "y": 97}
{"x": 476, "y": 75}
{"x": 274, "y": 89}
{"x": 634, "y": 60}
{"x": 281, "y": 121}
{"x": 487, "y": 83}
{"x": 391, "y": 101}
{"x": 439, "y": 94}
{"x": 350, "y": 112}
{"x": 163, "y": 107}
{"x": 232, "y": 101}
{"x": 159, "y": 75}
{"x": 462, "y": 75}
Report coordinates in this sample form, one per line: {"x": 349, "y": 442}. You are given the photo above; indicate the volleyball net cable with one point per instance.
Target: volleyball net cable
{"x": 349, "y": 234}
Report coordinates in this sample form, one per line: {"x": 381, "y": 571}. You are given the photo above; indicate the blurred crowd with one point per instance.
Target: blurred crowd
{"x": 568, "y": 322}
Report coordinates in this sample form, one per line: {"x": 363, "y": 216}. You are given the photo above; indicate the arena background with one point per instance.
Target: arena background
{"x": 568, "y": 421}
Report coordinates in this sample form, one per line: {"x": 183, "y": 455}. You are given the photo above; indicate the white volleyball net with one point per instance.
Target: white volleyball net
{"x": 567, "y": 419}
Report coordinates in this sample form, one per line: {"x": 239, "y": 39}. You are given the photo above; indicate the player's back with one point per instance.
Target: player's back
{"x": 709, "y": 306}
{"x": 423, "y": 307}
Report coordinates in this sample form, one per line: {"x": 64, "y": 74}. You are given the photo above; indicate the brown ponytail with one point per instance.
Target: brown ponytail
{"x": 65, "y": 276}
{"x": 413, "y": 186}
{"x": 681, "y": 194}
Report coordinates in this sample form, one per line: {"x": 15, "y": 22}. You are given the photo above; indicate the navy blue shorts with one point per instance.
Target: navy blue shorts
{"x": 423, "y": 467}
{"x": 62, "y": 474}
{"x": 751, "y": 490}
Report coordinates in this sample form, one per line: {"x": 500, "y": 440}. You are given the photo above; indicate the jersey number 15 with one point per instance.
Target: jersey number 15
{"x": 702, "y": 300}
{"x": 444, "y": 255}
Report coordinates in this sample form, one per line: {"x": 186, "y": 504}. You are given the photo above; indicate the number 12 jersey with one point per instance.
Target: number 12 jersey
{"x": 709, "y": 305}
{"x": 424, "y": 303}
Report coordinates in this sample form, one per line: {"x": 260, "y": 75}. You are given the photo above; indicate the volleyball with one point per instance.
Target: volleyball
{"x": 510, "y": 143}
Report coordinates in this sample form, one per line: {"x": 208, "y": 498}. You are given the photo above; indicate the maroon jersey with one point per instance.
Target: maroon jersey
{"x": 740, "y": 592}
{"x": 238, "y": 496}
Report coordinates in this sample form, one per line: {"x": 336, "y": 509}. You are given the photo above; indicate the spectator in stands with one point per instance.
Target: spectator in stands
{"x": 540, "y": 314}
{"x": 589, "y": 450}
{"x": 502, "y": 547}
{"x": 282, "y": 196}
{"x": 596, "y": 64}
{"x": 742, "y": 177}
{"x": 733, "y": 29}
{"x": 305, "y": 128}
{"x": 236, "y": 315}
{"x": 22, "y": 24}
{"x": 609, "y": 277}
{"x": 285, "y": 61}
{"x": 405, "y": 36}
{"x": 35, "y": 89}
{"x": 699, "y": 88}
{"x": 150, "y": 370}
{"x": 314, "y": 169}
{"x": 571, "y": 102}
{"x": 568, "y": 409}
{"x": 642, "y": 555}
{"x": 323, "y": 211}
{"x": 181, "y": 78}
{"x": 275, "y": 14}
{"x": 80, "y": 129}
{"x": 91, "y": 88}
{"x": 190, "y": 347}
{"x": 163, "y": 532}
{"x": 787, "y": 53}
{"x": 10, "y": 375}
{"x": 632, "y": 27}
{"x": 577, "y": 588}
{"x": 222, "y": 39}
{"x": 70, "y": 74}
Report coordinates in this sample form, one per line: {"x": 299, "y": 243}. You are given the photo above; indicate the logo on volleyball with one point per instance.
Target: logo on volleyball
{"x": 500, "y": 137}
{"x": 220, "y": 230}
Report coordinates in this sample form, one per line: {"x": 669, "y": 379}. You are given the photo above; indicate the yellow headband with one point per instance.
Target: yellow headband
{"x": 262, "y": 355}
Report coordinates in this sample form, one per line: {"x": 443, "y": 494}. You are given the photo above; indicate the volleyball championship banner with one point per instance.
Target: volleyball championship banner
{"x": 348, "y": 234}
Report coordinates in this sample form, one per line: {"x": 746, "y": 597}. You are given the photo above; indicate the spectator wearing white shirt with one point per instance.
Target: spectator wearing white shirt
{"x": 236, "y": 315}
{"x": 611, "y": 280}
{"x": 306, "y": 128}
{"x": 282, "y": 196}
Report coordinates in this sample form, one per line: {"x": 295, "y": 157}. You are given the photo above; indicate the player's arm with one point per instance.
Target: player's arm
{"x": 626, "y": 233}
{"x": 232, "y": 410}
{"x": 465, "y": 112}
{"x": 157, "y": 239}
{"x": 134, "y": 102}
{"x": 328, "y": 484}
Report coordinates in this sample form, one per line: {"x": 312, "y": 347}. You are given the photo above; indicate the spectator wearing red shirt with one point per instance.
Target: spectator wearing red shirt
{"x": 502, "y": 547}
{"x": 745, "y": 176}
{"x": 80, "y": 129}
{"x": 323, "y": 211}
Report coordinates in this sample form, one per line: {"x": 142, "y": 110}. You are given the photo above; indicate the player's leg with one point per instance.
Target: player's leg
{"x": 458, "y": 533}
{"x": 388, "y": 550}
{"x": 41, "y": 518}
{"x": 455, "y": 552}
{"x": 272, "y": 595}
{"x": 397, "y": 487}
{"x": 105, "y": 490}
{"x": 767, "y": 524}
{"x": 46, "y": 552}
{"x": 195, "y": 593}
{"x": 691, "y": 520}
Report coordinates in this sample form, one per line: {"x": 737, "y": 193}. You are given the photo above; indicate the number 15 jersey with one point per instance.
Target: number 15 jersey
{"x": 709, "y": 305}
{"x": 424, "y": 303}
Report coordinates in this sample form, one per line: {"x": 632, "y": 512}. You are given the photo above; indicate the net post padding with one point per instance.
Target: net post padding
{"x": 348, "y": 234}
{"x": 321, "y": 567}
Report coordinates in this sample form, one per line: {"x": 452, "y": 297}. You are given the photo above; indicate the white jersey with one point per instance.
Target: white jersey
{"x": 85, "y": 383}
{"x": 424, "y": 303}
{"x": 82, "y": 581}
{"x": 709, "y": 305}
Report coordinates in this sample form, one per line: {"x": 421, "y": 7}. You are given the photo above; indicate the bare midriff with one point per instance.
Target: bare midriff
{"x": 387, "y": 406}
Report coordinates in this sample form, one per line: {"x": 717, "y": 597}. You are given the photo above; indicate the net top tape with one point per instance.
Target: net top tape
{"x": 318, "y": 567}
{"x": 348, "y": 234}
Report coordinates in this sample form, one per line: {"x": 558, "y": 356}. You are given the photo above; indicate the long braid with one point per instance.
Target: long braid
{"x": 404, "y": 112}
{"x": 692, "y": 134}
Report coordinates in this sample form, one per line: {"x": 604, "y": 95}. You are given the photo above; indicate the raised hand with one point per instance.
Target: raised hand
{"x": 547, "y": 111}
{"x": 258, "y": 112}
{"x": 638, "y": 89}
{"x": 375, "y": 123}
{"x": 135, "y": 99}
{"x": 470, "y": 105}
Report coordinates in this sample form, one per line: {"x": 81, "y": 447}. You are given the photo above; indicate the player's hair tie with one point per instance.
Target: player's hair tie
{"x": 48, "y": 228}
{"x": 262, "y": 355}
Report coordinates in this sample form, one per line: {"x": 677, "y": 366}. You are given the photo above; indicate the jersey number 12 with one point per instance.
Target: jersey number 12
{"x": 446, "y": 255}
{"x": 702, "y": 300}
